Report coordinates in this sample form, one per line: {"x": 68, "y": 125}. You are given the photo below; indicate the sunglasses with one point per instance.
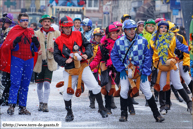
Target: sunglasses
{"x": 150, "y": 25}
{"x": 24, "y": 20}
{"x": 64, "y": 22}
{"x": 164, "y": 28}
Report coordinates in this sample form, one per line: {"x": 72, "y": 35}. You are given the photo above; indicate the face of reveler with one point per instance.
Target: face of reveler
{"x": 130, "y": 32}
{"x": 140, "y": 28}
{"x": 163, "y": 29}
{"x": 150, "y": 28}
{"x": 46, "y": 24}
{"x": 24, "y": 22}
{"x": 77, "y": 24}
{"x": 6, "y": 25}
{"x": 67, "y": 30}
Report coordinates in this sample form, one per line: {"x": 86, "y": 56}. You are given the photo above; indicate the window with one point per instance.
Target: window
{"x": 92, "y": 4}
{"x": 18, "y": 4}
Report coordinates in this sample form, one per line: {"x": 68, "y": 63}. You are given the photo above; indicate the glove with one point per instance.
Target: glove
{"x": 143, "y": 78}
{"x": 78, "y": 56}
{"x": 123, "y": 74}
{"x": 16, "y": 41}
{"x": 35, "y": 41}
{"x": 186, "y": 68}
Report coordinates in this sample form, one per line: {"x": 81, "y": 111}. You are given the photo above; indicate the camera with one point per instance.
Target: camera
{"x": 3, "y": 19}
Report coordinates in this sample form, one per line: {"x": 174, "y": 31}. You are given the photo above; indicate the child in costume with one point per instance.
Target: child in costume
{"x": 163, "y": 44}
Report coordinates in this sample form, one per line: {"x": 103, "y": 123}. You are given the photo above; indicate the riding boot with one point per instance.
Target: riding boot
{"x": 186, "y": 99}
{"x": 130, "y": 106}
{"x": 168, "y": 100}
{"x": 92, "y": 99}
{"x": 69, "y": 117}
{"x": 102, "y": 109}
{"x": 108, "y": 103}
{"x": 124, "y": 114}
{"x": 176, "y": 94}
{"x": 154, "y": 109}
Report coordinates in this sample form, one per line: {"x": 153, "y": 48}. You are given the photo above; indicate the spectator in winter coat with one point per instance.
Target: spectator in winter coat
{"x": 34, "y": 26}
{"x": 6, "y": 82}
{"x": 77, "y": 25}
{"x": 45, "y": 64}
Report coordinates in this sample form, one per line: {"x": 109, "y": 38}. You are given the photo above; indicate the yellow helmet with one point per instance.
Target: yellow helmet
{"x": 98, "y": 31}
{"x": 173, "y": 27}
{"x": 124, "y": 17}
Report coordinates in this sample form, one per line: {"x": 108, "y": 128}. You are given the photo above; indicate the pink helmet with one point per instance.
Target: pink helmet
{"x": 159, "y": 19}
{"x": 117, "y": 23}
{"x": 111, "y": 28}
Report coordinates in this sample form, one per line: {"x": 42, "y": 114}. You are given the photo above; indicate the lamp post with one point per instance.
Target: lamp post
{"x": 106, "y": 9}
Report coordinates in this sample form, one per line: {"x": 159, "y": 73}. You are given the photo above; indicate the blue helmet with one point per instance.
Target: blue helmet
{"x": 76, "y": 18}
{"x": 127, "y": 24}
{"x": 87, "y": 22}
{"x": 163, "y": 23}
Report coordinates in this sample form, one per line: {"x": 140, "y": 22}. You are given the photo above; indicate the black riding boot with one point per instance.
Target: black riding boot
{"x": 102, "y": 109}
{"x": 176, "y": 94}
{"x": 130, "y": 106}
{"x": 168, "y": 100}
{"x": 69, "y": 117}
{"x": 162, "y": 101}
{"x": 113, "y": 106}
{"x": 92, "y": 99}
{"x": 190, "y": 85}
{"x": 186, "y": 99}
{"x": 156, "y": 95}
{"x": 146, "y": 103}
{"x": 108, "y": 103}
{"x": 124, "y": 114}
{"x": 186, "y": 88}
{"x": 154, "y": 109}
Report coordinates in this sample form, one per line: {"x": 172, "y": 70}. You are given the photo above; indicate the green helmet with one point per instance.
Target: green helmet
{"x": 149, "y": 21}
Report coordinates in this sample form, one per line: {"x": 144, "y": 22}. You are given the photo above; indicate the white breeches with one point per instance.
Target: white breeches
{"x": 174, "y": 78}
{"x": 144, "y": 87}
{"x": 88, "y": 79}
